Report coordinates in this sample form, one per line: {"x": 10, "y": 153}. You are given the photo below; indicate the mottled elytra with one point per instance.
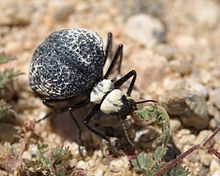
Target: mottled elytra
{"x": 66, "y": 63}
{"x": 70, "y": 62}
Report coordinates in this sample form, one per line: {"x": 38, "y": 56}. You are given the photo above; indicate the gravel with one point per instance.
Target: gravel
{"x": 173, "y": 46}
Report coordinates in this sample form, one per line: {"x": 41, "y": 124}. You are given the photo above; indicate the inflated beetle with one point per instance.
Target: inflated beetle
{"x": 70, "y": 62}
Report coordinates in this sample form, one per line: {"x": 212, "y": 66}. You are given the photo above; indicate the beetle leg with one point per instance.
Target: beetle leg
{"x": 123, "y": 79}
{"x": 108, "y": 50}
{"x": 45, "y": 117}
{"x": 47, "y": 102}
{"x": 94, "y": 110}
{"x": 71, "y": 110}
{"x": 118, "y": 55}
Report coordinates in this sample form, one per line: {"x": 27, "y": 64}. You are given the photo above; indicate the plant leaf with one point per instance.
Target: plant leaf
{"x": 159, "y": 153}
{"x": 6, "y": 76}
{"x": 143, "y": 162}
{"x": 4, "y": 58}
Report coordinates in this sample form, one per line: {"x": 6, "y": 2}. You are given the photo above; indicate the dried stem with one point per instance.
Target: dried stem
{"x": 211, "y": 137}
{"x": 213, "y": 151}
{"x": 176, "y": 161}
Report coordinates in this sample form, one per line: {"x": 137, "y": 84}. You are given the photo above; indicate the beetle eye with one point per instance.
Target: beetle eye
{"x": 132, "y": 102}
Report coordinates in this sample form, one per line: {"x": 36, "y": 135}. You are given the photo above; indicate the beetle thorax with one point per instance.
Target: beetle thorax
{"x": 110, "y": 99}
{"x": 100, "y": 90}
{"x": 113, "y": 103}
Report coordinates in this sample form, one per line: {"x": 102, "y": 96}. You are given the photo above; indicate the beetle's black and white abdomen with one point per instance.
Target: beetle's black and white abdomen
{"x": 66, "y": 63}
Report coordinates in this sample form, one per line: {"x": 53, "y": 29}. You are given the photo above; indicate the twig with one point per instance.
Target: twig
{"x": 174, "y": 162}
{"x": 213, "y": 151}
{"x": 179, "y": 158}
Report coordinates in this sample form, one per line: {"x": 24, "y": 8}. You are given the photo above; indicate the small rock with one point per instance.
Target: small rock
{"x": 181, "y": 66}
{"x": 145, "y": 29}
{"x": 3, "y": 173}
{"x": 196, "y": 88}
{"x": 174, "y": 125}
{"x": 215, "y": 167}
{"x": 119, "y": 165}
{"x": 203, "y": 58}
{"x": 99, "y": 172}
{"x": 217, "y": 173}
{"x": 165, "y": 50}
{"x": 204, "y": 157}
{"x": 191, "y": 108}
{"x": 185, "y": 42}
{"x": 215, "y": 97}
{"x": 202, "y": 136}
{"x": 82, "y": 165}
{"x": 151, "y": 68}
{"x": 61, "y": 10}
{"x": 15, "y": 13}
{"x": 73, "y": 162}
{"x": 212, "y": 124}
{"x": 214, "y": 106}
{"x": 206, "y": 13}
{"x": 184, "y": 138}
{"x": 26, "y": 155}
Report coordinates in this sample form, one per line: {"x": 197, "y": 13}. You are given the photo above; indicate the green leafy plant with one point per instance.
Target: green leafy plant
{"x": 5, "y": 110}
{"x": 11, "y": 156}
{"x": 4, "y": 58}
{"x": 7, "y": 74}
{"x": 149, "y": 164}
{"x": 49, "y": 161}
{"x": 157, "y": 114}
{"x": 152, "y": 164}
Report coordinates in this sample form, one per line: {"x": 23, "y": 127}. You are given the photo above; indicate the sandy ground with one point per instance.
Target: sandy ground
{"x": 173, "y": 46}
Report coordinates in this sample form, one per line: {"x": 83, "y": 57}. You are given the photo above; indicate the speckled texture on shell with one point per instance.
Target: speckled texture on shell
{"x": 66, "y": 63}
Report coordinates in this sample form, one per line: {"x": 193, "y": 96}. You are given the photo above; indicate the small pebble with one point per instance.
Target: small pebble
{"x": 185, "y": 42}
{"x": 151, "y": 68}
{"x": 183, "y": 139}
{"x": 15, "y": 13}
{"x": 206, "y": 13}
{"x": 215, "y": 167}
{"x": 175, "y": 125}
{"x": 119, "y": 165}
{"x": 215, "y": 97}
{"x": 99, "y": 172}
{"x": 189, "y": 107}
{"x": 27, "y": 155}
{"x": 196, "y": 88}
{"x": 145, "y": 29}
{"x": 181, "y": 66}
{"x": 3, "y": 173}
{"x": 82, "y": 165}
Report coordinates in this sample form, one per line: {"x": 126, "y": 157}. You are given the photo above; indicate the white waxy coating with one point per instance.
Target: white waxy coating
{"x": 112, "y": 102}
{"x": 100, "y": 90}
{"x": 67, "y": 63}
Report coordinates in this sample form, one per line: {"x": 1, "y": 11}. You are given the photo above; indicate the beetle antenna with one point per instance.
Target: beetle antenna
{"x": 145, "y": 101}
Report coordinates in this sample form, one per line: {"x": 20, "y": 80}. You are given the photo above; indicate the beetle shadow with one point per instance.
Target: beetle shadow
{"x": 63, "y": 125}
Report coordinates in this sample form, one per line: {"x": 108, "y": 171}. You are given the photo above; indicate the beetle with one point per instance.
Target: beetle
{"x": 70, "y": 62}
